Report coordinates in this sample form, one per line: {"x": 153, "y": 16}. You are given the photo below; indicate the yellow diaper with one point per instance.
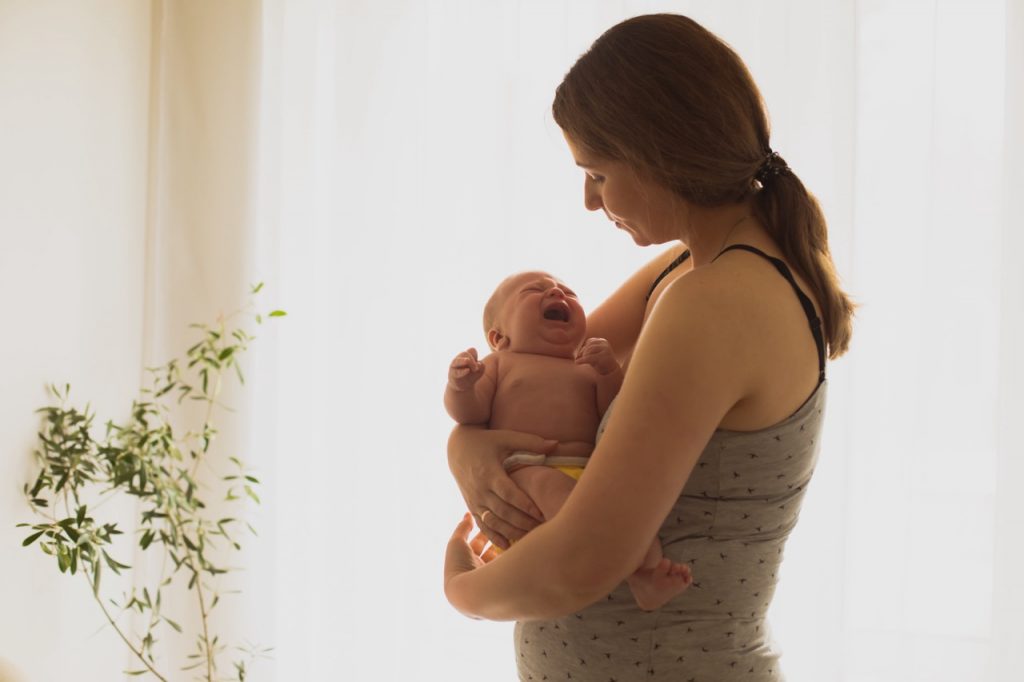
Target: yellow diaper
{"x": 574, "y": 472}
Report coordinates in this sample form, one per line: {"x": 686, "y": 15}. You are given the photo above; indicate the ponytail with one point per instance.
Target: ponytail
{"x": 795, "y": 221}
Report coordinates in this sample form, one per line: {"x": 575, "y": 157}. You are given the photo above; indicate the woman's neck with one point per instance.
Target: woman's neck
{"x": 709, "y": 230}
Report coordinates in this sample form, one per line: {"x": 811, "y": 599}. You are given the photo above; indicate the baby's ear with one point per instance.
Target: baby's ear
{"x": 496, "y": 340}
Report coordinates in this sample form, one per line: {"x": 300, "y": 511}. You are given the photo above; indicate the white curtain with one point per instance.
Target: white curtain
{"x": 408, "y": 161}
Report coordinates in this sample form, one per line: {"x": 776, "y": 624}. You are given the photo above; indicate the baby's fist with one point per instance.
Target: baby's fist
{"x": 597, "y": 353}
{"x": 465, "y": 370}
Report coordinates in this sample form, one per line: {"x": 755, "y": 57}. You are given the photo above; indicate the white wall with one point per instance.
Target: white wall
{"x": 74, "y": 121}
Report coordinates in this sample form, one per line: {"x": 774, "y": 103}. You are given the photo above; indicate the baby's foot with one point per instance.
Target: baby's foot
{"x": 653, "y": 587}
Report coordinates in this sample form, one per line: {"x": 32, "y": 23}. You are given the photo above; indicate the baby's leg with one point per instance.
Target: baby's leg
{"x": 547, "y": 487}
{"x": 658, "y": 579}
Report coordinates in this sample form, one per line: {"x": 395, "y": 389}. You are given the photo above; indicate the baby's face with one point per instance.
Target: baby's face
{"x": 540, "y": 314}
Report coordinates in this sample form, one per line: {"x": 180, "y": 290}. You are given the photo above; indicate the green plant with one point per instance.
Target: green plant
{"x": 145, "y": 458}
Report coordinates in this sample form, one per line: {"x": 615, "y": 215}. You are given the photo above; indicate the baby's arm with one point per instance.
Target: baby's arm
{"x": 598, "y": 354}
{"x": 470, "y": 390}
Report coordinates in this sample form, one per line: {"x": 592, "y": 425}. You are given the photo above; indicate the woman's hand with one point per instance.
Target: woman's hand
{"x": 464, "y": 555}
{"x": 500, "y": 507}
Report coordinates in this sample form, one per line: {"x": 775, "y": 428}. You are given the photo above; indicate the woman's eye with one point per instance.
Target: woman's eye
{"x": 596, "y": 178}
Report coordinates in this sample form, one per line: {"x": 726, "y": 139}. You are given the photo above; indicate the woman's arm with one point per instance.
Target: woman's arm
{"x": 621, "y": 316}
{"x": 682, "y": 380}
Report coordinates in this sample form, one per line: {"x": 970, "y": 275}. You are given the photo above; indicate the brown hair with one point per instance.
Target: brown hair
{"x": 666, "y": 96}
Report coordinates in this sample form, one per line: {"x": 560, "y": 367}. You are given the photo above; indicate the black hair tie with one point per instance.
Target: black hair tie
{"x": 772, "y": 166}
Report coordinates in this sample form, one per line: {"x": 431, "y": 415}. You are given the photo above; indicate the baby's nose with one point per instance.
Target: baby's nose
{"x": 556, "y": 292}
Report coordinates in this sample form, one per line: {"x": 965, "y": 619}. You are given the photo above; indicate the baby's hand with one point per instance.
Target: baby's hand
{"x": 465, "y": 370}
{"x": 597, "y": 353}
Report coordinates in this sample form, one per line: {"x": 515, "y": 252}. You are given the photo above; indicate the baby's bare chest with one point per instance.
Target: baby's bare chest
{"x": 523, "y": 374}
{"x": 536, "y": 392}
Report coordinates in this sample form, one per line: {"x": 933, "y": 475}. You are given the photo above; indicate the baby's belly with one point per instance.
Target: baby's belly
{"x": 573, "y": 449}
{"x": 564, "y": 423}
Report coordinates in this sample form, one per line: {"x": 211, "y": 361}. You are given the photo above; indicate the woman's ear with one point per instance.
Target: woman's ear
{"x": 496, "y": 340}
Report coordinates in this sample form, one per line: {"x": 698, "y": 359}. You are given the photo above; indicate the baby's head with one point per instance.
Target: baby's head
{"x": 533, "y": 312}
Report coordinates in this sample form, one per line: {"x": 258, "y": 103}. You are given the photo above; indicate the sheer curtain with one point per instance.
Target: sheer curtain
{"x": 409, "y": 161}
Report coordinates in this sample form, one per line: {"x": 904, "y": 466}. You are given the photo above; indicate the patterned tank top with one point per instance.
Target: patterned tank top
{"x": 730, "y": 524}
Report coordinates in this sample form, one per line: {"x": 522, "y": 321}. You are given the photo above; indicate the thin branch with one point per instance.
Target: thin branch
{"x": 113, "y": 624}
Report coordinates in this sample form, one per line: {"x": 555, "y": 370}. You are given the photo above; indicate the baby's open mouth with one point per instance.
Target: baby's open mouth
{"x": 557, "y": 311}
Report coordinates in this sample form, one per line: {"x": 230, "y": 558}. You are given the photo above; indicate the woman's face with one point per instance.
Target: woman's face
{"x": 649, "y": 212}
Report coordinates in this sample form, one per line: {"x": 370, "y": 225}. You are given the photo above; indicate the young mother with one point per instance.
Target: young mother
{"x": 712, "y": 440}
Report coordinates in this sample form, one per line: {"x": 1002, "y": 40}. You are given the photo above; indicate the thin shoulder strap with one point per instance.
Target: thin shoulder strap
{"x": 671, "y": 266}
{"x": 805, "y": 302}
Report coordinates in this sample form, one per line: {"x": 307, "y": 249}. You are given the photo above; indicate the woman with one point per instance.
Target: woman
{"x": 713, "y": 437}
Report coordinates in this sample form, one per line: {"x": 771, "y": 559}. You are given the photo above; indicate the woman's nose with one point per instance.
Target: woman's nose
{"x": 591, "y": 195}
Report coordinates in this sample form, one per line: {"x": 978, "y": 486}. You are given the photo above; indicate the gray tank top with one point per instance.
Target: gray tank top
{"x": 730, "y": 524}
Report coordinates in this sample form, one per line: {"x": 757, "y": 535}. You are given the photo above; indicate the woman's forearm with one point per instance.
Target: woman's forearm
{"x": 536, "y": 579}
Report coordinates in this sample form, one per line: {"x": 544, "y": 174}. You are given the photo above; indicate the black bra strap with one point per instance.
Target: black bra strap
{"x": 812, "y": 317}
{"x": 671, "y": 266}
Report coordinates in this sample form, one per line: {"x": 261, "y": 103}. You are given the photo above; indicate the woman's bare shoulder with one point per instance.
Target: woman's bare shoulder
{"x": 742, "y": 314}
{"x": 620, "y": 317}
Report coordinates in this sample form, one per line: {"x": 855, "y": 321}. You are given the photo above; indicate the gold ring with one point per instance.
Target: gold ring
{"x": 483, "y": 515}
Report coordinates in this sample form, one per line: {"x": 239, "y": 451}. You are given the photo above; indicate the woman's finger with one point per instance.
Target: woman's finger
{"x": 496, "y": 525}
{"x": 462, "y": 530}
{"x": 515, "y": 506}
{"x": 489, "y": 555}
{"x": 508, "y": 520}
{"x": 478, "y": 543}
{"x": 496, "y": 538}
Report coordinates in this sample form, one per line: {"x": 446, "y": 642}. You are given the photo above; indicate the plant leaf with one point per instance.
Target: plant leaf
{"x": 97, "y": 569}
{"x": 32, "y": 538}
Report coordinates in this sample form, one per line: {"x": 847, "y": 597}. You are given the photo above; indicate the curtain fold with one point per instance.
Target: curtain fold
{"x": 1008, "y": 517}
{"x": 202, "y": 199}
